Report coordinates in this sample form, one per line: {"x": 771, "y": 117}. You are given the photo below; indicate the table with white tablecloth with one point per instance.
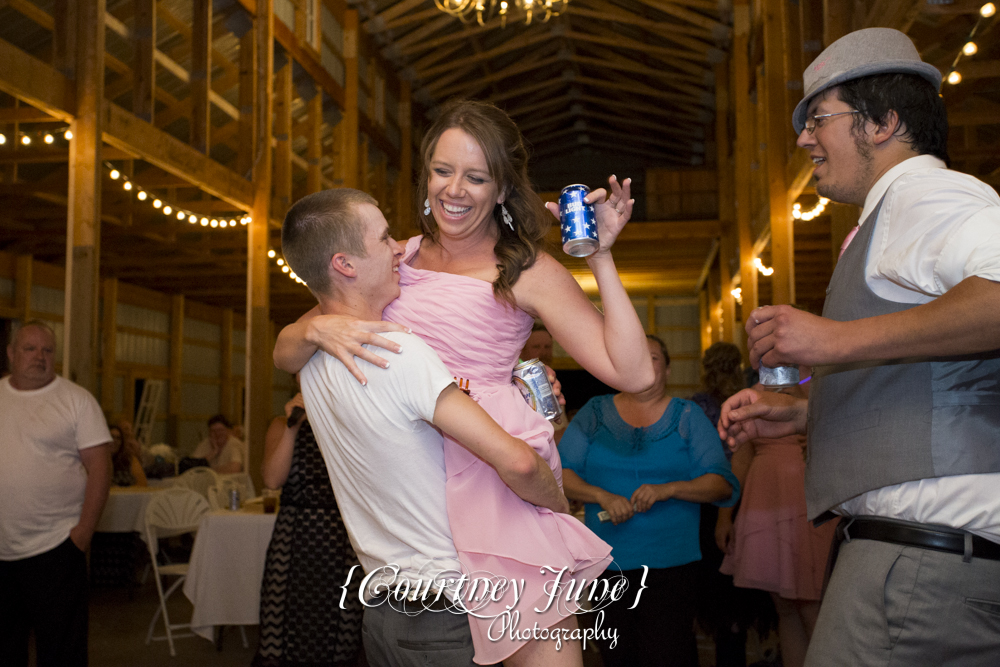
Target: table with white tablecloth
{"x": 227, "y": 566}
{"x": 125, "y": 510}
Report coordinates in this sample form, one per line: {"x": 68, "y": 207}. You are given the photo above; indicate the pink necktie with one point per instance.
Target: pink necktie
{"x": 850, "y": 237}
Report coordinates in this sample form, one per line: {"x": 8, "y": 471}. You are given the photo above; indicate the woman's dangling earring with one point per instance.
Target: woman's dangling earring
{"x": 427, "y": 207}
{"x": 507, "y": 217}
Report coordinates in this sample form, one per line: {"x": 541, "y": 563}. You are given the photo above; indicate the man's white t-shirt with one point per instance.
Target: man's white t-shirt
{"x": 42, "y": 479}
{"x": 232, "y": 452}
{"x": 386, "y": 461}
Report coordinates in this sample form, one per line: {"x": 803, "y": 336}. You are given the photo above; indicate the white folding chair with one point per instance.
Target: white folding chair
{"x": 175, "y": 511}
{"x": 216, "y": 498}
{"x": 198, "y": 479}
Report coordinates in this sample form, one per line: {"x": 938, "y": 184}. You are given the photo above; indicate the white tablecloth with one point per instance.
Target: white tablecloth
{"x": 227, "y": 565}
{"x": 125, "y": 510}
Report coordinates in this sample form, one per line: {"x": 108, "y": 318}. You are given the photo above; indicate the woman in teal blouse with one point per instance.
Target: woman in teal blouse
{"x": 648, "y": 460}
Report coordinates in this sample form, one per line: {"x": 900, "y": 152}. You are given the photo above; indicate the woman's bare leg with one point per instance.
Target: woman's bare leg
{"x": 808, "y": 612}
{"x": 791, "y": 632}
{"x": 542, "y": 653}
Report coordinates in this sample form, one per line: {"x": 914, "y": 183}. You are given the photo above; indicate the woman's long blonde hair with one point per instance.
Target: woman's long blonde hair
{"x": 507, "y": 159}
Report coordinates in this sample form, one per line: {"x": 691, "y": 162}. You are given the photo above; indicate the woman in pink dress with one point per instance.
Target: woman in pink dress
{"x": 471, "y": 287}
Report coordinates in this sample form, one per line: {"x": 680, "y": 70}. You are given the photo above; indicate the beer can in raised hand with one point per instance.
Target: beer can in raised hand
{"x": 579, "y": 225}
{"x": 779, "y": 377}
{"x": 529, "y": 376}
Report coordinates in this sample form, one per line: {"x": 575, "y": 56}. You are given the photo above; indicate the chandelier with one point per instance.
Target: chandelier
{"x": 484, "y": 10}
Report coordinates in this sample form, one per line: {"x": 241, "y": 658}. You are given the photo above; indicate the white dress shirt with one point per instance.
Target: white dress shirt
{"x": 936, "y": 228}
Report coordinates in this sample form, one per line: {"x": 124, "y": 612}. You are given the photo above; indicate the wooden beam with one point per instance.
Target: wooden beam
{"x": 109, "y": 340}
{"x": 531, "y": 37}
{"x": 142, "y": 140}
{"x": 349, "y": 123}
{"x": 22, "y": 287}
{"x": 727, "y": 214}
{"x": 283, "y": 140}
{"x": 201, "y": 74}
{"x": 83, "y": 220}
{"x": 37, "y": 83}
{"x": 776, "y": 67}
{"x": 247, "y": 96}
{"x": 836, "y": 20}
{"x": 682, "y": 59}
{"x": 314, "y": 147}
{"x": 175, "y": 384}
{"x": 258, "y": 346}
{"x": 226, "y": 365}
{"x": 743, "y": 156}
{"x": 404, "y": 198}
{"x": 143, "y": 59}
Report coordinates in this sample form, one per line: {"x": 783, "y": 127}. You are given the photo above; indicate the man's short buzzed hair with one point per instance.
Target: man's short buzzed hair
{"x": 39, "y": 324}
{"x": 317, "y": 227}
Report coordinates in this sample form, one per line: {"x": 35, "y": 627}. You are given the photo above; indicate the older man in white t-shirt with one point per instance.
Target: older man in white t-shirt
{"x": 383, "y": 452}
{"x": 55, "y": 472}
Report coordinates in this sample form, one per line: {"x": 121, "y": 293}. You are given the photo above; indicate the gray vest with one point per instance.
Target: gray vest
{"x": 881, "y": 423}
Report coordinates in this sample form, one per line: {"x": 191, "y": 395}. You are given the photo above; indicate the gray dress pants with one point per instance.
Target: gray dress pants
{"x": 400, "y": 639}
{"x": 891, "y": 605}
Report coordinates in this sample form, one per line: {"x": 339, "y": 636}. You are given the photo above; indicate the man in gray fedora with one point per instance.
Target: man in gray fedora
{"x": 904, "y": 414}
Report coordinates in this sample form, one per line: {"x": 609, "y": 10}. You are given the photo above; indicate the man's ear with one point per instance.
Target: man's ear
{"x": 344, "y": 265}
{"x": 890, "y": 128}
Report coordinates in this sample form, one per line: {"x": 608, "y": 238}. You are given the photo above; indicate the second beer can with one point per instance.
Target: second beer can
{"x": 579, "y": 225}
{"x": 529, "y": 376}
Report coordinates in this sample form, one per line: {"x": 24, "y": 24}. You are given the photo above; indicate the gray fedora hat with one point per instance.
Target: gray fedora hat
{"x": 857, "y": 54}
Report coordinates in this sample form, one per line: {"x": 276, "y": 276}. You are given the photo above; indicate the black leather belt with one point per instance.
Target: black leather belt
{"x": 432, "y": 602}
{"x": 925, "y": 536}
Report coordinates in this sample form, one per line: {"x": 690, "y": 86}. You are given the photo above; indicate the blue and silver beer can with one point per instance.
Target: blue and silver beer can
{"x": 779, "y": 377}
{"x": 530, "y": 378}
{"x": 579, "y": 226}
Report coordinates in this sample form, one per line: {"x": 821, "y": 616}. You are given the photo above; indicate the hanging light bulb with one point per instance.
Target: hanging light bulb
{"x": 114, "y": 174}
{"x": 954, "y": 78}
{"x": 157, "y": 204}
{"x": 192, "y": 218}
{"x": 204, "y": 222}
{"x": 26, "y": 140}
{"x": 291, "y": 274}
{"x": 180, "y": 215}
{"x": 988, "y": 10}
{"x": 49, "y": 138}
{"x": 3, "y": 139}
{"x": 970, "y": 48}
{"x": 285, "y": 269}
{"x": 271, "y": 253}
{"x": 142, "y": 195}
{"x": 127, "y": 185}
{"x": 67, "y": 135}
{"x": 281, "y": 262}
{"x": 765, "y": 270}
{"x": 167, "y": 210}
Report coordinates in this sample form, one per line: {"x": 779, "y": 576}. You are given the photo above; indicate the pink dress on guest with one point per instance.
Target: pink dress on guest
{"x": 776, "y": 548}
{"x": 479, "y": 338}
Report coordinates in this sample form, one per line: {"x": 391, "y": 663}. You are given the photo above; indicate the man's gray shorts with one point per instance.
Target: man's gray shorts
{"x": 396, "y": 639}
{"x": 889, "y": 605}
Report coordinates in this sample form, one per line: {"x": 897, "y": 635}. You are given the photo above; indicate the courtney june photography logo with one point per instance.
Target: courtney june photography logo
{"x": 518, "y": 612}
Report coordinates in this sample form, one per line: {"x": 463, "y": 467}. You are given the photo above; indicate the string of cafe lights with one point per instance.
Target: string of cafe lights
{"x": 970, "y": 48}
{"x": 183, "y": 214}
{"x": 40, "y": 136}
{"x": 816, "y": 210}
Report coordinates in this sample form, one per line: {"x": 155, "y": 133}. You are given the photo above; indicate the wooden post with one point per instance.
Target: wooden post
{"x": 283, "y": 138}
{"x": 176, "y": 368}
{"x": 22, "y": 287}
{"x": 651, "y": 315}
{"x": 777, "y": 124}
{"x": 727, "y": 210}
{"x": 226, "y": 363}
{"x": 64, "y": 25}
{"x": 364, "y": 182}
{"x": 713, "y": 288}
{"x": 704, "y": 319}
{"x": 247, "y": 97}
{"x": 258, "y": 352}
{"x": 201, "y": 74}
{"x": 349, "y": 123}
{"x": 143, "y": 62}
{"x": 743, "y": 155}
{"x": 837, "y": 18}
{"x": 83, "y": 219}
{"x": 404, "y": 186}
{"x": 314, "y": 179}
{"x": 110, "y": 342}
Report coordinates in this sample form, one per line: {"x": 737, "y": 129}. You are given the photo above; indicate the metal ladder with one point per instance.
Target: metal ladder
{"x": 145, "y": 415}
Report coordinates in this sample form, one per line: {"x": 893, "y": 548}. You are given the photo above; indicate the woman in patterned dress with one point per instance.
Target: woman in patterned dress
{"x": 301, "y": 620}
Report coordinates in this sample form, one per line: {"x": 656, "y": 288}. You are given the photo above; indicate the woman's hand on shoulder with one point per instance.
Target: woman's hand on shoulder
{"x": 342, "y": 336}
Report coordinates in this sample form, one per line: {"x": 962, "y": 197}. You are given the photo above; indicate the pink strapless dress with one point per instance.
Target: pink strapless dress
{"x": 495, "y": 531}
{"x": 776, "y": 548}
